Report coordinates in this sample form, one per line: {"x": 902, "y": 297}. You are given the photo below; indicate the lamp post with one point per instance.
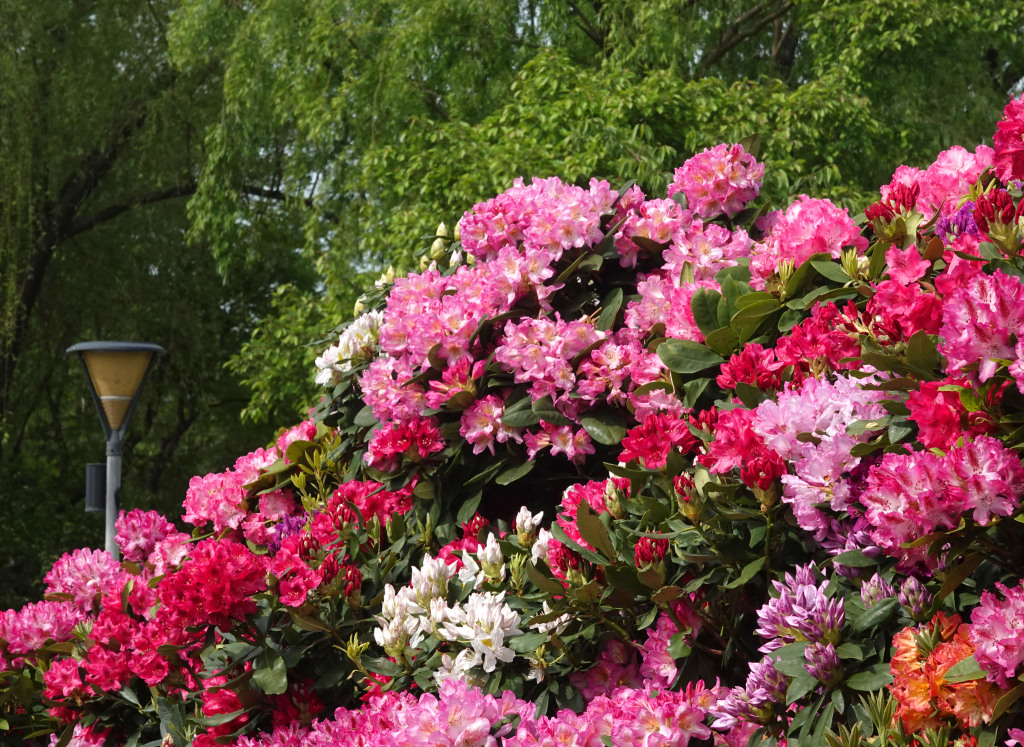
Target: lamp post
{"x": 115, "y": 372}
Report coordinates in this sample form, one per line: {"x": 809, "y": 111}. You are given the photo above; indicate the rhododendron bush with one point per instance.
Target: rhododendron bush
{"x": 611, "y": 469}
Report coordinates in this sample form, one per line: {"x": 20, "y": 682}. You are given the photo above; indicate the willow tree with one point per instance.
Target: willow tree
{"x": 100, "y": 148}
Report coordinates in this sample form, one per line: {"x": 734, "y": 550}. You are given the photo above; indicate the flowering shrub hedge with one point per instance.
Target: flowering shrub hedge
{"x": 610, "y": 470}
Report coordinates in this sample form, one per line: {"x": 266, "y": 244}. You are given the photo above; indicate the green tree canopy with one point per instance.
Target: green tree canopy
{"x": 375, "y": 119}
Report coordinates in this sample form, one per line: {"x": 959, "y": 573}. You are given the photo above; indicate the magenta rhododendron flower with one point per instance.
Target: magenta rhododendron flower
{"x": 1009, "y": 142}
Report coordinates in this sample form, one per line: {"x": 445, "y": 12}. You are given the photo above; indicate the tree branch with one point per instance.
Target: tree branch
{"x": 585, "y": 25}
{"x": 736, "y": 34}
{"x": 112, "y": 211}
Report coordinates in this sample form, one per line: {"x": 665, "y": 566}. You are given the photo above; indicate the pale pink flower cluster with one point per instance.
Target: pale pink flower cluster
{"x": 997, "y": 630}
{"x": 663, "y": 300}
{"x": 808, "y": 227}
{"x": 545, "y": 214}
{"x": 462, "y": 716}
{"x": 722, "y": 179}
{"x": 945, "y": 181}
{"x": 707, "y": 249}
{"x": 822, "y": 410}
{"x": 139, "y": 532}
{"x": 28, "y": 629}
{"x": 304, "y": 431}
{"x": 981, "y": 323}
{"x": 481, "y": 424}
{"x": 86, "y": 575}
{"x": 221, "y": 497}
{"x": 910, "y": 495}
{"x": 540, "y": 352}
{"x": 659, "y": 220}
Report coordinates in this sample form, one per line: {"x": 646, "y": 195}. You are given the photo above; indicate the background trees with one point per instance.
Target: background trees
{"x": 102, "y": 140}
{"x": 315, "y": 143}
{"x": 378, "y": 119}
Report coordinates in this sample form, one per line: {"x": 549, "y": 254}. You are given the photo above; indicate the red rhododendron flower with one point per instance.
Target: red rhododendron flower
{"x": 1009, "y": 142}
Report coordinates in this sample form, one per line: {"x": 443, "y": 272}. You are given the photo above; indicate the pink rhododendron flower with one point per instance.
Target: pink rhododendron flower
{"x": 214, "y": 586}
{"x": 86, "y": 575}
{"x": 482, "y": 427}
{"x": 139, "y": 532}
{"x": 906, "y": 266}
{"x": 305, "y": 431}
{"x": 997, "y": 631}
{"x": 651, "y": 442}
{"x": 949, "y": 177}
{"x": 979, "y": 321}
{"x": 808, "y": 227}
{"x": 722, "y": 179}
{"x": 941, "y": 417}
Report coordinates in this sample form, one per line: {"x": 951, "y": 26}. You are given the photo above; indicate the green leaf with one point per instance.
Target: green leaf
{"x": 593, "y": 531}
{"x": 958, "y": 574}
{"x": 693, "y": 389}
{"x": 988, "y": 250}
{"x": 869, "y": 681}
{"x": 749, "y": 571}
{"x": 749, "y": 394}
{"x": 270, "y": 673}
{"x": 605, "y": 425}
{"x": 789, "y": 319}
{"x": 469, "y": 507}
{"x": 1006, "y": 701}
{"x": 219, "y": 719}
{"x": 560, "y": 535}
{"x": 527, "y": 642}
{"x": 854, "y": 559}
{"x": 800, "y": 685}
{"x": 685, "y": 356}
{"x": 750, "y": 299}
{"x": 831, "y": 270}
{"x": 677, "y": 647}
{"x": 922, "y": 352}
{"x": 609, "y": 310}
{"x": 542, "y": 582}
{"x": 365, "y": 418}
{"x": 850, "y": 651}
{"x": 964, "y": 670}
{"x": 704, "y": 305}
{"x": 383, "y": 666}
{"x": 751, "y": 144}
{"x": 521, "y": 417}
{"x": 723, "y": 341}
{"x": 545, "y": 410}
{"x": 514, "y": 473}
{"x": 876, "y": 615}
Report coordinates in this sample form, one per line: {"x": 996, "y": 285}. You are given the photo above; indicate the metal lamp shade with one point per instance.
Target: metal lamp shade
{"x": 116, "y": 372}
{"x": 117, "y": 377}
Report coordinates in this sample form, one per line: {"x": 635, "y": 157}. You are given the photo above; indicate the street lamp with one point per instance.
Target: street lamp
{"x": 115, "y": 372}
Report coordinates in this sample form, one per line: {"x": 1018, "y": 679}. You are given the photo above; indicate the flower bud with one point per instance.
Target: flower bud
{"x": 823, "y": 663}
{"x": 613, "y": 496}
{"x": 874, "y": 590}
{"x": 915, "y": 598}
{"x": 526, "y": 525}
{"x": 442, "y": 230}
{"x": 437, "y": 249}
{"x": 688, "y": 499}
